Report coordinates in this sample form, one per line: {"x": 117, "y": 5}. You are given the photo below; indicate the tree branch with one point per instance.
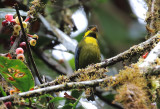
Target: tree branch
{"x": 134, "y": 50}
{"x": 109, "y": 102}
{"x": 62, "y": 37}
{"x": 120, "y": 57}
{"x": 57, "y": 88}
{"x": 152, "y": 56}
{"x": 51, "y": 63}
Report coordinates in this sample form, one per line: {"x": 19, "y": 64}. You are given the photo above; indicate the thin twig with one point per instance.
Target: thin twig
{"x": 151, "y": 25}
{"x": 15, "y": 45}
{"x": 28, "y": 46}
{"x": 109, "y": 102}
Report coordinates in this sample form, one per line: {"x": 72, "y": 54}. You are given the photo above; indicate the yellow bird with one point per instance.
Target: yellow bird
{"x": 87, "y": 51}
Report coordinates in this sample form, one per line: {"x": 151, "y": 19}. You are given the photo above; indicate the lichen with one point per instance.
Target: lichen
{"x": 91, "y": 73}
{"x": 130, "y": 74}
{"x": 133, "y": 97}
{"x": 36, "y": 7}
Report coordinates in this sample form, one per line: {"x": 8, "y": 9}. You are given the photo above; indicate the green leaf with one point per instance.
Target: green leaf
{"x": 2, "y": 91}
{"x": 56, "y": 99}
{"x": 68, "y": 106}
{"x": 46, "y": 95}
{"x": 16, "y": 73}
{"x": 75, "y": 104}
{"x": 76, "y": 94}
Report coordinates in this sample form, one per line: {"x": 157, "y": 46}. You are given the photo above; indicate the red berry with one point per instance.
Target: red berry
{"x": 145, "y": 55}
{"x": 13, "y": 22}
{"x": 20, "y": 56}
{"x": 23, "y": 45}
{"x": 12, "y": 42}
{"x": 13, "y": 38}
{"x": 8, "y": 104}
{"x": 19, "y": 50}
{"x": 9, "y": 17}
{"x": 5, "y": 23}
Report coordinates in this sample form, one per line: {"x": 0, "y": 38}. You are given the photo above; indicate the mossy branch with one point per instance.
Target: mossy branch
{"x": 134, "y": 50}
{"x": 57, "y": 88}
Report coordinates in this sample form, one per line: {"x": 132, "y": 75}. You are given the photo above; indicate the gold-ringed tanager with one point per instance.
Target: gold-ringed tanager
{"x": 87, "y": 51}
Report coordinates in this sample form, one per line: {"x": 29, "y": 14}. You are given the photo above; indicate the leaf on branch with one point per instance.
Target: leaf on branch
{"x": 46, "y": 95}
{"x": 56, "y": 99}
{"x": 69, "y": 97}
{"x": 16, "y": 73}
{"x": 75, "y": 104}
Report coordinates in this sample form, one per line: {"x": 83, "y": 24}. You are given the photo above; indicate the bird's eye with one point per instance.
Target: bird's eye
{"x": 92, "y": 34}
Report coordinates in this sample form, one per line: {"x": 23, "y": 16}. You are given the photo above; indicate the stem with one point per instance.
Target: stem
{"x": 30, "y": 53}
{"x": 28, "y": 46}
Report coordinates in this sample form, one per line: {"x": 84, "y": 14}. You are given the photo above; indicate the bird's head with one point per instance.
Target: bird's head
{"x": 92, "y": 31}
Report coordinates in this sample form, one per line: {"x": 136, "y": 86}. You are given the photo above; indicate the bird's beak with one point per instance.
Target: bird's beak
{"x": 94, "y": 29}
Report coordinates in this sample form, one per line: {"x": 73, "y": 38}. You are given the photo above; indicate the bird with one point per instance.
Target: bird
{"x": 87, "y": 52}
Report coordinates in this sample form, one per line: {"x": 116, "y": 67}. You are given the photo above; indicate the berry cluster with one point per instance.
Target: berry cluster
{"x": 15, "y": 25}
{"x": 9, "y": 20}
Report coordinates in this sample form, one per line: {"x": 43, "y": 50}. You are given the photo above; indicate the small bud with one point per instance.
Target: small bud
{"x": 27, "y": 19}
{"x": 17, "y": 28}
{"x": 12, "y": 42}
{"x": 23, "y": 45}
{"x": 5, "y": 23}
{"x": 13, "y": 22}
{"x": 9, "y": 17}
{"x": 15, "y": 33}
{"x": 35, "y": 36}
{"x": 20, "y": 56}
{"x": 12, "y": 38}
{"x": 32, "y": 42}
{"x": 19, "y": 50}
{"x": 17, "y": 20}
{"x": 24, "y": 24}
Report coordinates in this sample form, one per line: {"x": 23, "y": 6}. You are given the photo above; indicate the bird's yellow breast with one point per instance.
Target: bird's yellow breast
{"x": 91, "y": 40}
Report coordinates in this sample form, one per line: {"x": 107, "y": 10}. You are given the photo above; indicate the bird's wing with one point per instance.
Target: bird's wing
{"x": 77, "y": 53}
